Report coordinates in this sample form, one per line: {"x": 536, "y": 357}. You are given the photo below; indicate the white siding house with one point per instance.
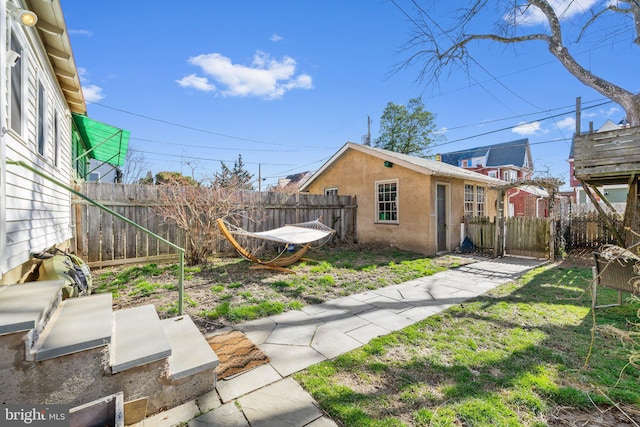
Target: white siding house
{"x": 39, "y": 91}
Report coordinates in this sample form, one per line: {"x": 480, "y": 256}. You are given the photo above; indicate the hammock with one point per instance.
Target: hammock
{"x": 303, "y": 233}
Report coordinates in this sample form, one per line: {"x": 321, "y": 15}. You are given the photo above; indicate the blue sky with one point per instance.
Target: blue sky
{"x": 287, "y": 83}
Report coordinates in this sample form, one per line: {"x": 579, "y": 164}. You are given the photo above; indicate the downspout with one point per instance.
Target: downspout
{"x": 117, "y": 215}
{"x": 538, "y": 206}
{"x": 509, "y": 201}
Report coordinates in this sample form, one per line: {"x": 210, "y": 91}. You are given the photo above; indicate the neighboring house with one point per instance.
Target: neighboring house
{"x": 407, "y": 202}
{"x": 511, "y": 162}
{"x": 103, "y": 172}
{"x": 615, "y": 193}
{"x": 41, "y": 104}
{"x": 292, "y": 183}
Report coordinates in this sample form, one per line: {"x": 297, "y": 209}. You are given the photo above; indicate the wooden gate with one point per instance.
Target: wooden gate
{"x": 523, "y": 236}
{"x": 527, "y": 236}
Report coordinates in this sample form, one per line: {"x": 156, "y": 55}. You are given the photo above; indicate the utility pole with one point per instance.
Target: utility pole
{"x": 368, "y": 130}
{"x": 259, "y": 177}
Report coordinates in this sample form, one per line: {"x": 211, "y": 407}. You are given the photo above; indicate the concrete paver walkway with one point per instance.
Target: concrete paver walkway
{"x": 295, "y": 340}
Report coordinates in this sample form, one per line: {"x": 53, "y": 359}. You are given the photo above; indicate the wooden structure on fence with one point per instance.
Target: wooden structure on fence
{"x": 102, "y": 240}
{"x": 611, "y": 157}
{"x": 522, "y": 245}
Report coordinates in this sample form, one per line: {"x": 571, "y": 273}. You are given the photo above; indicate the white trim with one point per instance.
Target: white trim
{"x": 417, "y": 164}
{"x": 24, "y": 91}
{"x": 376, "y": 218}
{"x": 44, "y": 117}
{"x": 331, "y": 191}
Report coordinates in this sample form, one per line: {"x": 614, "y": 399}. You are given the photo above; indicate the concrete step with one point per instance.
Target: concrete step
{"x": 79, "y": 324}
{"x": 190, "y": 352}
{"x": 138, "y": 338}
{"x": 25, "y": 306}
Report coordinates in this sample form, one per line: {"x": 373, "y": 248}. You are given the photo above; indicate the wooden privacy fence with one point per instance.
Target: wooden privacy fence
{"x": 588, "y": 230}
{"x": 523, "y": 236}
{"x": 103, "y": 240}
{"x": 481, "y": 231}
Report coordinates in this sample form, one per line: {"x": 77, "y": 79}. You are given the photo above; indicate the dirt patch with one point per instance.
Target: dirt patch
{"x": 578, "y": 259}
{"x": 228, "y": 282}
{"x": 597, "y": 417}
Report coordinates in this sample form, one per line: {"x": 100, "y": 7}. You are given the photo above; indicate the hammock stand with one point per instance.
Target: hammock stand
{"x": 303, "y": 233}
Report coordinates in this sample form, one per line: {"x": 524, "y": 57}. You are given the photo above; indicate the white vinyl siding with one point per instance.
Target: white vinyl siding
{"x": 37, "y": 213}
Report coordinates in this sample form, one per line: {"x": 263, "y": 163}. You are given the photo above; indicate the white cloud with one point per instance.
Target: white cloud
{"x": 92, "y": 93}
{"x": 527, "y": 129}
{"x": 276, "y": 38}
{"x": 611, "y": 111}
{"x": 81, "y": 32}
{"x": 266, "y": 77}
{"x": 195, "y": 82}
{"x": 443, "y": 130}
{"x": 568, "y": 123}
{"x": 530, "y": 15}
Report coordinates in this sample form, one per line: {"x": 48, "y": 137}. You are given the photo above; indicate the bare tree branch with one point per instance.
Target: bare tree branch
{"x": 435, "y": 48}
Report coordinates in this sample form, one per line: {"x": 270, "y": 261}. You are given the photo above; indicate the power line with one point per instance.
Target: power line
{"x": 511, "y": 127}
{"x": 262, "y": 150}
{"x": 193, "y": 128}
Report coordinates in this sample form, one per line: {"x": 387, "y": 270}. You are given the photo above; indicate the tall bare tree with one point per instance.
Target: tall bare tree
{"x": 434, "y": 47}
{"x": 135, "y": 166}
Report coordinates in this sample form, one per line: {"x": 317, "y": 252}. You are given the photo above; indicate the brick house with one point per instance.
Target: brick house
{"x": 511, "y": 162}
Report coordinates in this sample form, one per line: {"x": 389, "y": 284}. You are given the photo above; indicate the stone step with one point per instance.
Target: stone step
{"x": 79, "y": 324}
{"x": 24, "y": 306}
{"x": 190, "y": 352}
{"x": 138, "y": 338}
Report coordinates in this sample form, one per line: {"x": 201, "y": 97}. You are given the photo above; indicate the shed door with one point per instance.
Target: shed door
{"x": 441, "y": 206}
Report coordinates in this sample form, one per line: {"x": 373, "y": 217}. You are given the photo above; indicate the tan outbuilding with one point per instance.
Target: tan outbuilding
{"x": 404, "y": 201}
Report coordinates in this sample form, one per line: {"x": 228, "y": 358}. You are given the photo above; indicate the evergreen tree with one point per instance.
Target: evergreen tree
{"x": 238, "y": 177}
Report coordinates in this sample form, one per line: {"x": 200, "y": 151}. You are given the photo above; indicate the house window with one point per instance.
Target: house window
{"x": 493, "y": 174}
{"x": 468, "y": 200}
{"x": 510, "y": 176}
{"x": 331, "y": 191}
{"x": 480, "y": 201}
{"x": 41, "y": 117}
{"x": 17, "y": 84}
{"x": 387, "y": 206}
{"x": 56, "y": 139}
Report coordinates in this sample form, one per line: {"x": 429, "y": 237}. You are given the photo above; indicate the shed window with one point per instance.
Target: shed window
{"x": 387, "y": 205}
{"x": 468, "y": 200}
{"x": 474, "y": 200}
{"x": 331, "y": 191}
{"x": 480, "y": 201}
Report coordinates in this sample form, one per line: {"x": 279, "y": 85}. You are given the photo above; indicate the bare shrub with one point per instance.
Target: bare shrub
{"x": 194, "y": 209}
